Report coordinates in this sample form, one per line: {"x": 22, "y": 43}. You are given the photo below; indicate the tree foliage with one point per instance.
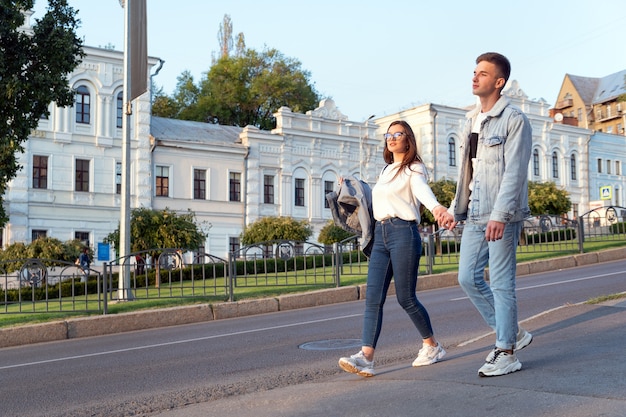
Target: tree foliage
{"x": 42, "y": 248}
{"x": 276, "y": 228}
{"x": 331, "y": 233}
{"x": 249, "y": 89}
{"x": 33, "y": 73}
{"x": 547, "y": 198}
{"x": 152, "y": 229}
{"x": 243, "y": 89}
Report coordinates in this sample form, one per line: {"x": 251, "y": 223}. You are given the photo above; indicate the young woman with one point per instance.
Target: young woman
{"x": 396, "y": 199}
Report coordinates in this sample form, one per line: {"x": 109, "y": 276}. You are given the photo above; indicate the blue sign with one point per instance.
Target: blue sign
{"x": 606, "y": 192}
{"x": 103, "y": 251}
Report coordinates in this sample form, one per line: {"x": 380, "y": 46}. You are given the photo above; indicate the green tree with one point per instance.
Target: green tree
{"x": 444, "y": 191}
{"x": 154, "y": 229}
{"x": 547, "y": 198}
{"x": 331, "y": 233}
{"x": 42, "y": 248}
{"x": 34, "y": 66}
{"x": 248, "y": 89}
{"x": 276, "y": 228}
{"x": 163, "y": 105}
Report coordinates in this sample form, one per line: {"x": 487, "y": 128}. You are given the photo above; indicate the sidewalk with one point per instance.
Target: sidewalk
{"x": 574, "y": 368}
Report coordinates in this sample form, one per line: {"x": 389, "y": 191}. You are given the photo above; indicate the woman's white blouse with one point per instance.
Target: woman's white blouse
{"x": 401, "y": 196}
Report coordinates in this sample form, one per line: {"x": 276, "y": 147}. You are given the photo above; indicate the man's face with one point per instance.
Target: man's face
{"x": 486, "y": 80}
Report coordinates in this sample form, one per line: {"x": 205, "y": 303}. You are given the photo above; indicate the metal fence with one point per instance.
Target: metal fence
{"x": 45, "y": 286}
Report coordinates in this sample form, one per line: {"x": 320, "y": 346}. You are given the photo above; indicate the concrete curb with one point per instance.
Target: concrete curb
{"x": 149, "y": 319}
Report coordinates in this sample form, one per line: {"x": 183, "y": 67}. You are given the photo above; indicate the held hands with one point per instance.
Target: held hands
{"x": 443, "y": 218}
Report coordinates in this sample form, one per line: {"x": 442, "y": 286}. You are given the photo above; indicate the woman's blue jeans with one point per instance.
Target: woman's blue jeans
{"x": 496, "y": 302}
{"x": 395, "y": 253}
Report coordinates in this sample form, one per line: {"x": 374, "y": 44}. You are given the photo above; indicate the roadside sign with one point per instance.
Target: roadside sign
{"x": 606, "y": 192}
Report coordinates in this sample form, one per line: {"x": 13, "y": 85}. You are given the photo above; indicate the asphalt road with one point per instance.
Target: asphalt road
{"x": 150, "y": 372}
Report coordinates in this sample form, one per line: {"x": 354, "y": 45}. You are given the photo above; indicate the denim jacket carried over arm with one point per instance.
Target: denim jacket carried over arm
{"x": 351, "y": 208}
{"x": 500, "y": 180}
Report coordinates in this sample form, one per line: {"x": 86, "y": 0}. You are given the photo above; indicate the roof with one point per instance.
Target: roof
{"x": 199, "y": 132}
{"x": 610, "y": 87}
{"x": 597, "y": 90}
{"x": 586, "y": 87}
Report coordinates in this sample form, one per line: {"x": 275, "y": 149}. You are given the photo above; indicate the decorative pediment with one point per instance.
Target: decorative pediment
{"x": 514, "y": 90}
{"x": 327, "y": 110}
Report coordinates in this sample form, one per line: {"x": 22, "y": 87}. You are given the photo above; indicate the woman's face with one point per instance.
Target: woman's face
{"x": 396, "y": 139}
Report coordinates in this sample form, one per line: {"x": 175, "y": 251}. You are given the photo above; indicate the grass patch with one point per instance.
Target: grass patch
{"x": 603, "y": 298}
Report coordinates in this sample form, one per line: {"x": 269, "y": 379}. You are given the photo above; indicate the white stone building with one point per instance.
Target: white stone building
{"x": 229, "y": 177}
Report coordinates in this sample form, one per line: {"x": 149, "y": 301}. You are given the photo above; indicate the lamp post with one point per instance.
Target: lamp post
{"x": 365, "y": 123}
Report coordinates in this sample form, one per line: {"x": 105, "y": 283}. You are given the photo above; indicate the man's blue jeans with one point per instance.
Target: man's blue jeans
{"x": 395, "y": 253}
{"x": 496, "y": 301}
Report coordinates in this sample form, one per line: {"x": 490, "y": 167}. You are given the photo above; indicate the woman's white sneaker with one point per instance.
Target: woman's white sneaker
{"x": 429, "y": 355}
{"x": 357, "y": 364}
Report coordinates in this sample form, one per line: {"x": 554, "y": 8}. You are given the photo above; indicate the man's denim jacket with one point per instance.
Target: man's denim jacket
{"x": 500, "y": 180}
{"x": 351, "y": 208}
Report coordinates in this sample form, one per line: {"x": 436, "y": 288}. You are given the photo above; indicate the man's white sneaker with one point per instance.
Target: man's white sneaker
{"x": 499, "y": 363}
{"x": 429, "y": 355}
{"x": 357, "y": 364}
{"x": 523, "y": 339}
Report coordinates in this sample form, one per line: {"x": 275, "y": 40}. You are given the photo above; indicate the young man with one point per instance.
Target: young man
{"x": 492, "y": 198}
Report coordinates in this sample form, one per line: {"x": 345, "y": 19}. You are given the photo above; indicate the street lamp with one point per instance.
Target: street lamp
{"x": 361, "y": 145}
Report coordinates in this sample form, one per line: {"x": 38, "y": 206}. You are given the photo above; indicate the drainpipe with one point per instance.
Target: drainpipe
{"x": 156, "y": 72}
{"x": 433, "y": 113}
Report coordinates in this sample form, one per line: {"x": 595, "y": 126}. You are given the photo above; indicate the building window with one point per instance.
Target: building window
{"x": 162, "y": 186}
{"x": 83, "y": 237}
{"x": 38, "y": 234}
{"x": 451, "y": 152}
{"x": 608, "y": 166}
{"x": 82, "y": 175}
{"x": 40, "y": 171}
{"x": 83, "y": 105}
{"x": 299, "y": 192}
{"x": 572, "y": 166}
{"x": 555, "y": 165}
{"x": 120, "y": 109}
{"x": 328, "y": 188}
{"x": 118, "y": 178}
{"x": 599, "y": 166}
{"x": 618, "y": 168}
{"x": 233, "y": 244}
{"x": 234, "y": 186}
{"x": 580, "y": 114}
{"x": 199, "y": 184}
{"x": 268, "y": 189}
{"x": 536, "y": 163}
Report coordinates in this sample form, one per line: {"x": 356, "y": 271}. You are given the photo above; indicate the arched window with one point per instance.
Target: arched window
{"x": 555, "y": 165}
{"x": 120, "y": 109}
{"x": 83, "y": 105}
{"x": 536, "y": 163}
{"x": 572, "y": 167}
{"x": 451, "y": 152}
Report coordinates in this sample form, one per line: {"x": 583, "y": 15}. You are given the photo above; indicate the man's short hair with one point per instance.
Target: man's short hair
{"x": 500, "y": 61}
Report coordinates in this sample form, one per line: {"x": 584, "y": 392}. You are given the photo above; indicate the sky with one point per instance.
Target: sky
{"x": 381, "y": 57}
